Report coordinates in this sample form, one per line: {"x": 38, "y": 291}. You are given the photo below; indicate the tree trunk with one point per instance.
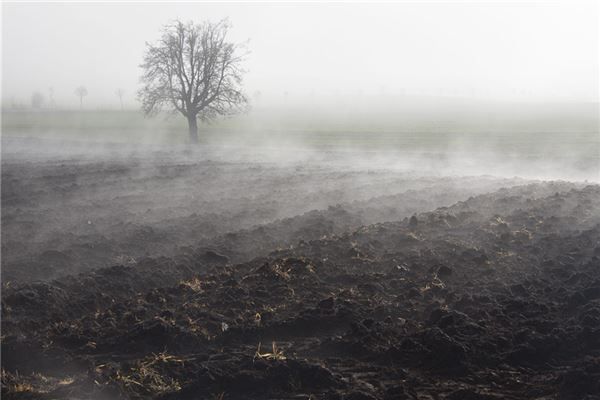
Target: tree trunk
{"x": 193, "y": 125}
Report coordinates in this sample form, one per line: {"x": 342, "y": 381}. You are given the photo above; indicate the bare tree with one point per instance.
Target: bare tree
{"x": 194, "y": 70}
{"x": 81, "y": 92}
{"x": 120, "y": 92}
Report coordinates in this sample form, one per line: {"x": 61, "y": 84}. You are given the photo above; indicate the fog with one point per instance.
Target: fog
{"x": 504, "y": 88}
{"x": 534, "y": 51}
{"x": 402, "y": 199}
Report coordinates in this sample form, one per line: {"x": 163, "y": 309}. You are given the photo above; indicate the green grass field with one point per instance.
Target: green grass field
{"x": 522, "y": 131}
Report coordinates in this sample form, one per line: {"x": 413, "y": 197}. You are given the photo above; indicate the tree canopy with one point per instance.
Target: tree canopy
{"x": 193, "y": 69}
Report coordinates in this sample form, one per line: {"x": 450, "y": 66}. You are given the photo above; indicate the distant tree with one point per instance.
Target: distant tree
{"x": 37, "y": 100}
{"x": 193, "y": 70}
{"x": 120, "y": 92}
{"x": 81, "y": 92}
{"x": 16, "y": 104}
{"x": 51, "y": 96}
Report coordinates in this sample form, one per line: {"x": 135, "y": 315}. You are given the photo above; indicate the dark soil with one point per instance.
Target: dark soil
{"x": 395, "y": 296}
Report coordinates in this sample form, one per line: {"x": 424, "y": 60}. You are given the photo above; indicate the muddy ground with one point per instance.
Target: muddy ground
{"x": 212, "y": 278}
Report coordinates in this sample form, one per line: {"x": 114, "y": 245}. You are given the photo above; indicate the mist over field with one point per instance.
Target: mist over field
{"x": 546, "y": 141}
{"x": 480, "y": 86}
{"x": 300, "y": 200}
{"x": 477, "y": 84}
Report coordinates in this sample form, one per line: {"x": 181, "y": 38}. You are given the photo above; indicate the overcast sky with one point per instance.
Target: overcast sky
{"x": 509, "y": 51}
